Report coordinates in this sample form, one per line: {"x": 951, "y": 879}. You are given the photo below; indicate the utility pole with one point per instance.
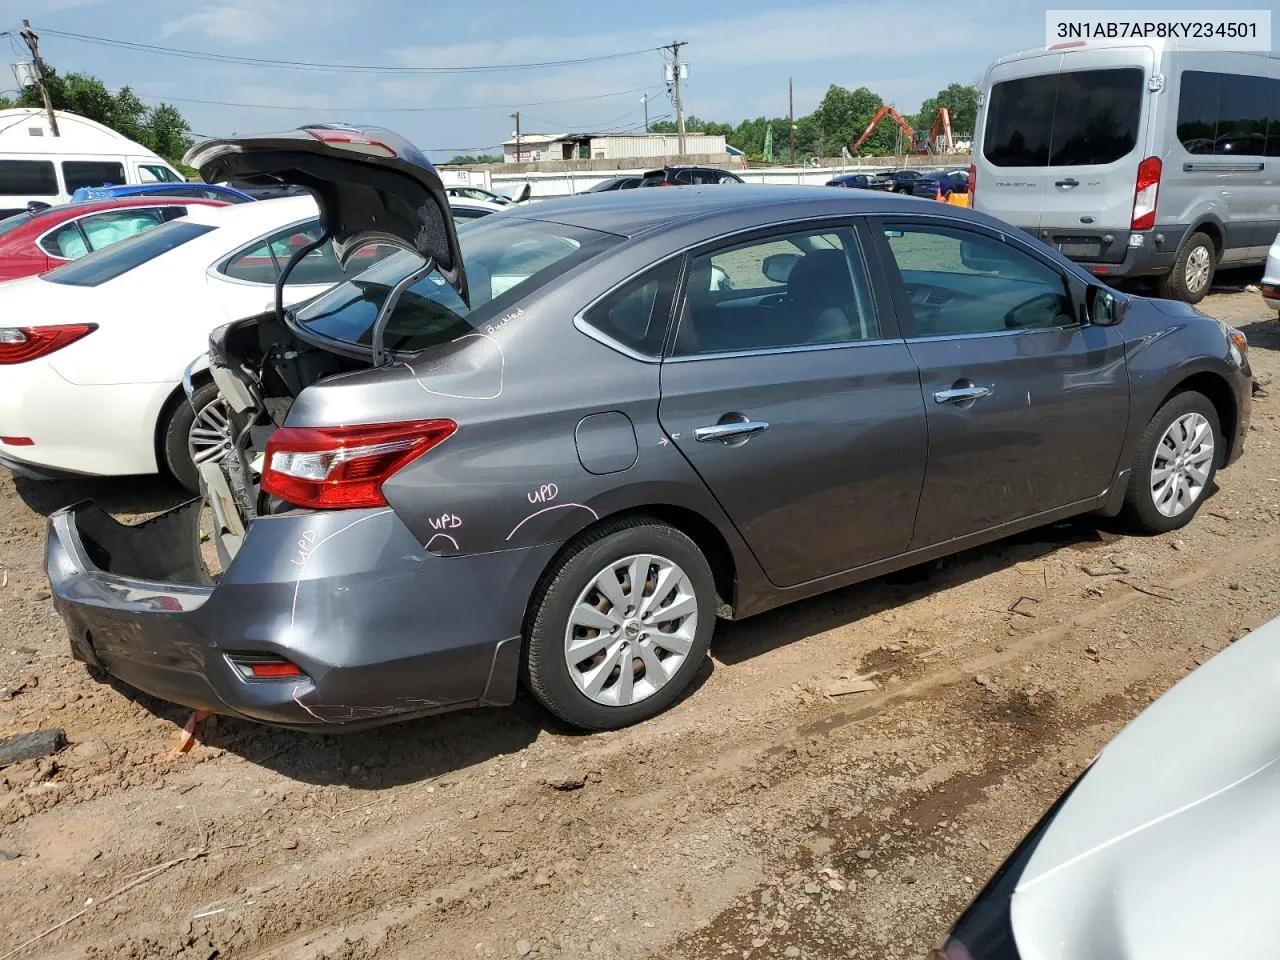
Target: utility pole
{"x": 516, "y": 117}
{"x": 791, "y": 113}
{"x": 33, "y": 44}
{"x": 645, "y": 100}
{"x": 676, "y": 67}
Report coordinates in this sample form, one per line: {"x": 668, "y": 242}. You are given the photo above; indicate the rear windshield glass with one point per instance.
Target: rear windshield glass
{"x": 1064, "y": 119}
{"x": 506, "y": 259}
{"x": 120, "y": 258}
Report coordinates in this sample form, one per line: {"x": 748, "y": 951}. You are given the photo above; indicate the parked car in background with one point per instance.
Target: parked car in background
{"x": 861, "y": 181}
{"x": 941, "y": 182}
{"x": 903, "y": 181}
{"x": 37, "y": 167}
{"x": 271, "y": 191}
{"x": 92, "y": 353}
{"x": 1271, "y": 276}
{"x": 684, "y": 175}
{"x": 199, "y": 191}
{"x": 48, "y": 237}
{"x": 1180, "y": 180}
{"x": 478, "y": 193}
{"x": 465, "y": 210}
{"x": 616, "y": 183}
{"x": 422, "y": 507}
{"x": 1154, "y": 850}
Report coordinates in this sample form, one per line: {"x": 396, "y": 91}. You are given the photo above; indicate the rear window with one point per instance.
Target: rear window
{"x": 91, "y": 173}
{"x": 1064, "y": 119}
{"x": 35, "y": 178}
{"x": 506, "y": 259}
{"x": 120, "y": 258}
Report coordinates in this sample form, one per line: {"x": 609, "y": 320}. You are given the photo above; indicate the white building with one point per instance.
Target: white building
{"x": 540, "y": 147}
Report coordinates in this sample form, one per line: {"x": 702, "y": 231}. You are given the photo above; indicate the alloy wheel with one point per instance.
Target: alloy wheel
{"x": 1180, "y": 468}
{"x": 631, "y": 629}
{"x": 209, "y": 439}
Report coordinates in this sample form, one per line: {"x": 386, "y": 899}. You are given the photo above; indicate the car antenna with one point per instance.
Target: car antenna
{"x": 389, "y": 305}
{"x": 288, "y": 269}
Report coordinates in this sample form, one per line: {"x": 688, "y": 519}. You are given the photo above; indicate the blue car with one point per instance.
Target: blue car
{"x": 199, "y": 191}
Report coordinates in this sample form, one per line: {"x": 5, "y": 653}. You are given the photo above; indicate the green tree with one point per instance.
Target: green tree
{"x": 161, "y": 129}
{"x": 465, "y": 158}
{"x": 961, "y": 101}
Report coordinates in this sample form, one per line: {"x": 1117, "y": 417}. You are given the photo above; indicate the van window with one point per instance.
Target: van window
{"x": 1064, "y": 120}
{"x": 91, "y": 173}
{"x": 33, "y": 178}
{"x": 156, "y": 173}
{"x": 1224, "y": 114}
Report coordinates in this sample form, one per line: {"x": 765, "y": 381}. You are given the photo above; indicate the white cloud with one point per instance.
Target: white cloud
{"x": 257, "y": 21}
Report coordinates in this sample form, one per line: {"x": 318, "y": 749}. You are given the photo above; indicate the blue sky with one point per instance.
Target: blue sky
{"x": 741, "y": 54}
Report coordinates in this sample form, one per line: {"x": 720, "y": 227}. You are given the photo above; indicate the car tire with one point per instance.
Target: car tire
{"x": 1192, "y": 273}
{"x": 177, "y": 434}
{"x": 674, "y": 649}
{"x": 1149, "y": 506}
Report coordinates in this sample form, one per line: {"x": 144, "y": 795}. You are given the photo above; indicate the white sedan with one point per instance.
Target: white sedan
{"x": 92, "y": 353}
{"x": 1271, "y": 276}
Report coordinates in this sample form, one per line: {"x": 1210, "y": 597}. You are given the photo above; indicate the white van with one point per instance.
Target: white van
{"x": 1135, "y": 158}
{"x": 37, "y": 166}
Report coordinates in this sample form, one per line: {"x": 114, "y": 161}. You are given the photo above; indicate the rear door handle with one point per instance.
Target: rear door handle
{"x": 1069, "y": 182}
{"x": 735, "y": 430}
{"x": 962, "y": 394}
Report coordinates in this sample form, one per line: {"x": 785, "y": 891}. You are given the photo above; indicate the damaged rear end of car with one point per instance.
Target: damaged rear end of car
{"x": 291, "y": 592}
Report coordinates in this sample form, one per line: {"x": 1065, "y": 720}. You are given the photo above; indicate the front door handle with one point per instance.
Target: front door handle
{"x": 1069, "y": 182}
{"x": 734, "y": 430}
{"x": 962, "y": 394}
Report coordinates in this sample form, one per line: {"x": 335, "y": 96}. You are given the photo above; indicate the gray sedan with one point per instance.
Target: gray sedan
{"x": 557, "y": 444}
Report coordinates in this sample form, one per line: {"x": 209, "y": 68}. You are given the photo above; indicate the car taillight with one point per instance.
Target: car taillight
{"x": 331, "y": 468}
{"x": 973, "y": 183}
{"x": 351, "y": 140}
{"x": 1144, "y": 194}
{"x": 20, "y": 344}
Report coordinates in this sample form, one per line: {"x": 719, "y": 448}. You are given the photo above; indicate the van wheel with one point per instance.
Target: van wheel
{"x": 621, "y": 625}
{"x": 196, "y": 432}
{"x": 1192, "y": 272}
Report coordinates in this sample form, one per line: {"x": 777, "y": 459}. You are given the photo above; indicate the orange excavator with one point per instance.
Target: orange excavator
{"x": 917, "y": 142}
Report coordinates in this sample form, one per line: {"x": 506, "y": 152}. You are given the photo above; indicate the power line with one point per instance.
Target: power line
{"x": 482, "y": 106}
{"x": 333, "y": 67}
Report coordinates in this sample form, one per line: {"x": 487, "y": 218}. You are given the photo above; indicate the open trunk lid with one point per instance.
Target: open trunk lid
{"x": 372, "y": 186}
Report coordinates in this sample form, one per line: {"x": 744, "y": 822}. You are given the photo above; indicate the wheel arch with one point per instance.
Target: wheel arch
{"x": 1212, "y": 228}
{"x": 1214, "y": 387}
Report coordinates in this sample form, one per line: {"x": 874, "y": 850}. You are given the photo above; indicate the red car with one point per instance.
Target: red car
{"x": 40, "y": 240}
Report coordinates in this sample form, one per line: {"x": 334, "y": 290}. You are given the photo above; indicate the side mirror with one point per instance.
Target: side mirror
{"x": 978, "y": 257}
{"x": 778, "y": 266}
{"x": 1105, "y": 308}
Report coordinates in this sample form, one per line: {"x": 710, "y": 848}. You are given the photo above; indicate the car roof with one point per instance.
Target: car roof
{"x": 628, "y": 213}
{"x": 278, "y": 211}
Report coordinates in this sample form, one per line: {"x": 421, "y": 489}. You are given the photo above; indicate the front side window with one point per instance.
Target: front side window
{"x": 506, "y": 260}
{"x": 796, "y": 290}
{"x": 961, "y": 282}
{"x": 91, "y": 173}
{"x": 157, "y": 173}
{"x": 1068, "y": 119}
{"x": 118, "y": 259}
{"x": 23, "y": 178}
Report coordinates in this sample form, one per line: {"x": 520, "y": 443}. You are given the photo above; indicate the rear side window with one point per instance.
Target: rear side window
{"x": 1223, "y": 114}
{"x": 91, "y": 173}
{"x": 636, "y": 314}
{"x": 120, "y": 258}
{"x": 35, "y": 178}
{"x": 264, "y": 262}
{"x": 1066, "y": 119}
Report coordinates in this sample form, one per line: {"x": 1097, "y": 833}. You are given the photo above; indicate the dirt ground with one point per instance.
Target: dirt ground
{"x": 758, "y": 818}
